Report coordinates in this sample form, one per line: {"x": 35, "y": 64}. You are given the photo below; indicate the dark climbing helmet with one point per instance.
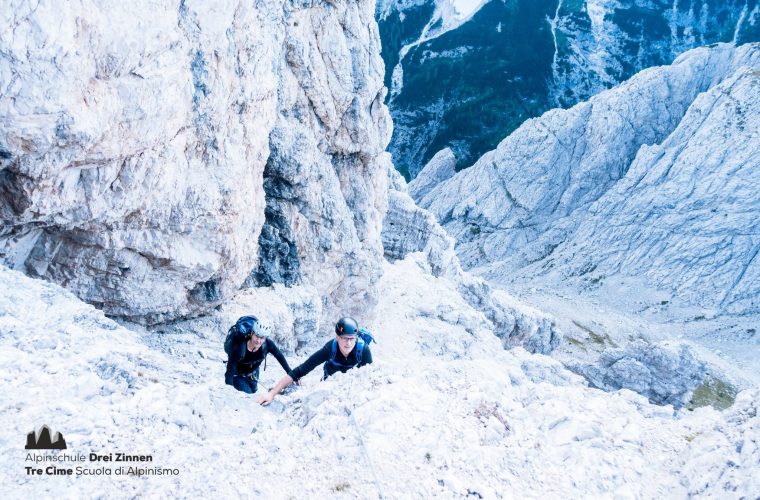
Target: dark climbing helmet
{"x": 248, "y": 325}
{"x": 347, "y": 326}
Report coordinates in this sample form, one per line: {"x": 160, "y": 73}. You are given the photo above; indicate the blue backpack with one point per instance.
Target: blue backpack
{"x": 365, "y": 338}
{"x": 238, "y": 334}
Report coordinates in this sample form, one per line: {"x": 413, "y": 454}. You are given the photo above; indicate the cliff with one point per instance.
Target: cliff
{"x": 157, "y": 156}
{"x": 651, "y": 179}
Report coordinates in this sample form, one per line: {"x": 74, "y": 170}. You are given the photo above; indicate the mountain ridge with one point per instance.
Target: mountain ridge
{"x": 543, "y": 178}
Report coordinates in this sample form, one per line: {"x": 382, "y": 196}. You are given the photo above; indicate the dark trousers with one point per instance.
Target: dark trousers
{"x": 246, "y": 383}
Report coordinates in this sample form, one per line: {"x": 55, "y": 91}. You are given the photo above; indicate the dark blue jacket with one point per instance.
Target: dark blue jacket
{"x": 323, "y": 355}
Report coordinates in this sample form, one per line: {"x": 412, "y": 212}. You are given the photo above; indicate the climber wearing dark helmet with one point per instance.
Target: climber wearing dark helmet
{"x": 349, "y": 348}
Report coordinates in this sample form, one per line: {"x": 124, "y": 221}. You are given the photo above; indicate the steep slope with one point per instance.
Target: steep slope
{"x": 408, "y": 229}
{"x": 467, "y": 81}
{"x": 685, "y": 216}
{"x": 444, "y": 410}
{"x": 680, "y": 215}
{"x": 154, "y": 156}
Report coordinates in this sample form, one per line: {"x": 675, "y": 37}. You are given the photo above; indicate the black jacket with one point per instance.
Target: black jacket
{"x": 241, "y": 361}
{"x": 323, "y": 355}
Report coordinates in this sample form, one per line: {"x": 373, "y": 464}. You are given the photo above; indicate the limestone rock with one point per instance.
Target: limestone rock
{"x": 144, "y": 147}
{"x": 666, "y": 373}
{"x": 408, "y": 229}
{"x": 440, "y": 168}
{"x": 325, "y": 179}
{"x": 650, "y": 178}
{"x": 684, "y": 216}
{"x": 396, "y": 181}
{"x": 464, "y": 416}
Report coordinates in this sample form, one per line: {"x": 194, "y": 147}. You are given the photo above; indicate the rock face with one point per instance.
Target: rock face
{"x": 685, "y": 216}
{"x": 440, "y": 168}
{"x": 664, "y": 373}
{"x": 155, "y": 157}
{"x": 465, "y": 74}
{"x": 325, "y": 177}
{"x": 408, "y": 229}
{"x": 650, "y": 179}
{"x": 466, "y": 404}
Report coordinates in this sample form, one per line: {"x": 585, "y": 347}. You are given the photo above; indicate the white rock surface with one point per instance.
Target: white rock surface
{"x": 325, "y": 178}
{"x": 443, "y": 411}
{"x": 409, "y": 229}
{"x": 440, "y": 168}
{"x": 685, "y": 216}
{"x": 142, "y": 141}
{"x": 650, "y": 179}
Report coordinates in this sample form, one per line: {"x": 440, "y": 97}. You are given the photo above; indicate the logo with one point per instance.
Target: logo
{"x": 41, "y": 440}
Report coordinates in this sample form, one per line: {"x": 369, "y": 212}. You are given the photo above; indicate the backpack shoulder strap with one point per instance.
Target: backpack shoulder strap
{"x": 332, "y": 357}
{"x": 359, "y": 350}
{"x": 264, "y": 352}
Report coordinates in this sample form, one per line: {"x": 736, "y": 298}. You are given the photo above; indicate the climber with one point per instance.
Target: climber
{"x": 247, "y": 345}
{"x": 348, "y": 349}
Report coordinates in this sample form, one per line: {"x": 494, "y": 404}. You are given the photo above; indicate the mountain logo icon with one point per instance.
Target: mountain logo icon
{"x": 42, "y": 440}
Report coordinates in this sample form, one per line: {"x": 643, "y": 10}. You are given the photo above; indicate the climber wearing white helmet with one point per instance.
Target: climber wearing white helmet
{"x": 247, "y": 345}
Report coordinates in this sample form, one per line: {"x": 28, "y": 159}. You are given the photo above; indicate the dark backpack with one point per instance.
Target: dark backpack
{"x": 365, "y": 338}
{"x": 238, "y": 334}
